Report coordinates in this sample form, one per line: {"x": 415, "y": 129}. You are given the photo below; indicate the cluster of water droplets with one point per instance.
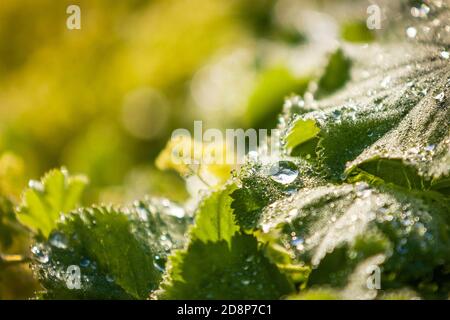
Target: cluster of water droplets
{"x": 349, "y": 212}
{"x": 48, "y": 265}
{"x": 429, "y": 22}
{"x": 164, "y": 224}
{"x": 158, "y": 223}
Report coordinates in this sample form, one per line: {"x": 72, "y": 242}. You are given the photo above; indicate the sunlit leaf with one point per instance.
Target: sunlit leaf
{"x": 335, "y": 227}
{"x": 43, "y": 202}
{"x": 214, "y": 218}
{"x": 217, "y": 270}
{"x": 121, "y": 253}
{"x": 220, "y": 262}
{"x": 390, "y": 121}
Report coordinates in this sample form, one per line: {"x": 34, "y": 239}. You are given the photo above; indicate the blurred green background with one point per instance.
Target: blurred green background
{"x": 104, "y": 100}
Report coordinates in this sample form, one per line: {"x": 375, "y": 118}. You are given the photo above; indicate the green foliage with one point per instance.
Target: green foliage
{"x": 217, "y": 270}
{"x": 335, "y": 228}
{"x": 399, "y": 135}
{"x": 215, "y": 219}
{"x": 258, "y": 190}
{"x": 363, "y": 180}
{"x": 357, "y": 31}
{"x": 255, "y": 194}
{"x": 121, "y": 253}
{"x": 8, "y": 223}
{"x": 302, "y": 132}
{"x": 336, "y": 74}
{"x": 43, "y": 202}
{"x": 220, "y": 262}
{"x": 272, "y": 86}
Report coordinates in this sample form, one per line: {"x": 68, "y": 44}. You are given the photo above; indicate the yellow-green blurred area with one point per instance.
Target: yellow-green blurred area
{"x": 104, "y": 100}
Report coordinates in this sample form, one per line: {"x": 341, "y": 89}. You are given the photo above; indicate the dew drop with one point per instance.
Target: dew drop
{"x": 298, "y": 243}
{"x": 245, "y": 282}
{"x": 440, "y": 97}
{"x": 445, "y": 54}
{"x": 158, "y": 263}
{"x": 253, "y": 156}
{"x": 430, "y": 148}
{"x": 36, "y": 185}
{"x": 85, "y": 262}
{"x": 250, "y": 258}
{"x": 385, "y": 82}
{"x": 58, "y": 240}
{"x": 411, "y": 32}
{"x": 142, "y": 213}
{"x": 284, "y": 172}
{"x": 40, "y": 254}
{"x": 176, "y": 211}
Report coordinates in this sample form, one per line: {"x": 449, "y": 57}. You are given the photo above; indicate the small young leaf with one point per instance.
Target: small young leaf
{"x": 336, "y": 74}
{"x": 301, "y": 132}
{"x": 215, "y": 219}
{"x": 43, "y": 202}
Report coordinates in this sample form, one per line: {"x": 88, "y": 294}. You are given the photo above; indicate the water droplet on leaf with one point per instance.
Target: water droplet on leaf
{"x": 40, "y": 253}
{"x": 58, "y": 240}
{"x": 411, "y": 32}
{"x": 284, "y": 172}
{"x": 84, "y": 262}
{"x": 445, "y": 55}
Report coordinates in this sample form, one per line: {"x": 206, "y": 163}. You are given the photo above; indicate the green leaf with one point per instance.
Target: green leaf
{"x": 336, "y": 74}
{"x": 266, "y": 101}
{"x": 215, "y": 270}
{"x": 258, "y": 190}
{"x": 357, "y": 31}
{"x": 121, "y": 253}
{"x": 43, "y": 202}
{"x": 391, "y": 123}
{"x": 220, "y": 262}
{"x": 301, "y": 132}
{"x": 333, "y": 228}
{"x": 214, "y": 218}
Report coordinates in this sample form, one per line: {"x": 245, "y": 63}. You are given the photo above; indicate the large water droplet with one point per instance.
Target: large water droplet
{"x": 411, "y": 32}
{"x": 85, "y": 262}
{"x": 158, "y": 263}
{"x": 58, "y": 240}
{"x": 40, "y": 254}
{"x": 284, "y": 172}
{"x": 420, "y": 12}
